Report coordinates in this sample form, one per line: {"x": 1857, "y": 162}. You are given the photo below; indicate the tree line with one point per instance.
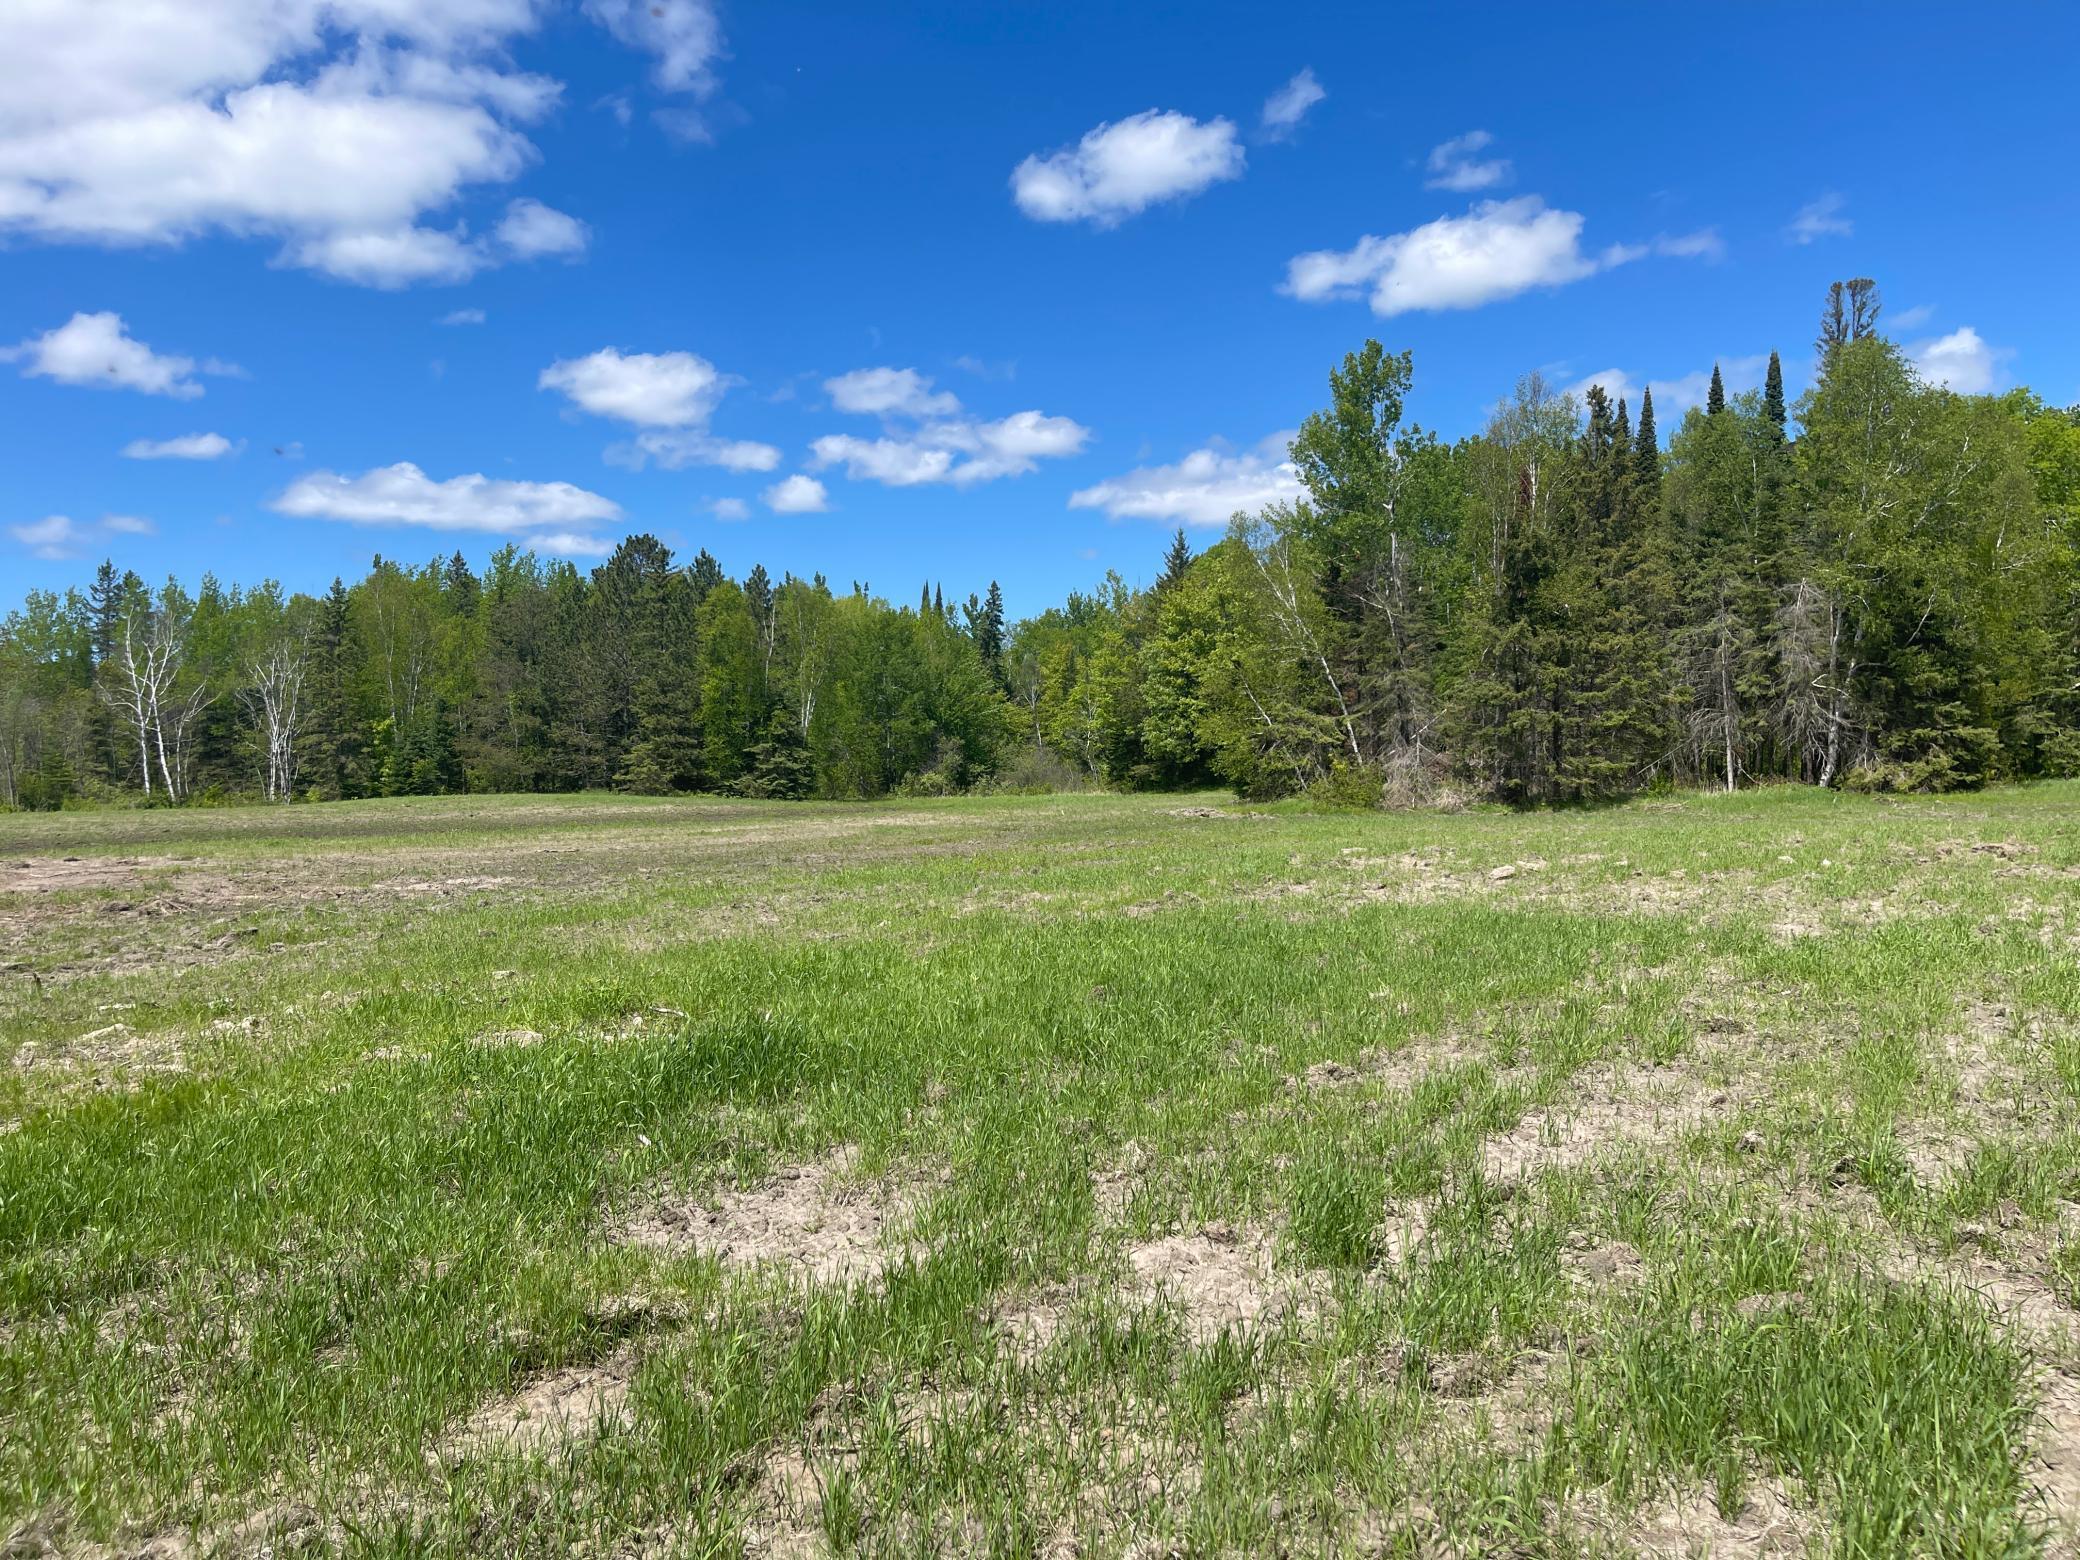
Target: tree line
{"x": 1878, "y": 587}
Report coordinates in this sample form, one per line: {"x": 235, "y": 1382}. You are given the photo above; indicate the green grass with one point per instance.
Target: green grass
{"x": 1723, "y": 1154}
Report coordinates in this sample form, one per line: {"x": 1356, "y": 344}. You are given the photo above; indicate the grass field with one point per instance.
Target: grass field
{"x": 1083, "y": 1175}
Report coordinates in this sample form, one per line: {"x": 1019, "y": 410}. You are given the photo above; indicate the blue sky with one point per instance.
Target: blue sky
{"x": 942, "y": 291}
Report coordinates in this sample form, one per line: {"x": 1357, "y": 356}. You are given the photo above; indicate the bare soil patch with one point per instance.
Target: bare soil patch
{"x": 814, "y": 1221}
{"x": 65, "y": 874}
{"x": 1216, "y": 1278}
{"x": 564, "y": 1405}
{"x": 1688, "y": 1525}
{"x": 1609, "y": 1106}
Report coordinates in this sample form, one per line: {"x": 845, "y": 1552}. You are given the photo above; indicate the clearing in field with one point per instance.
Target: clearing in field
{"x": 1063, "y": 1176}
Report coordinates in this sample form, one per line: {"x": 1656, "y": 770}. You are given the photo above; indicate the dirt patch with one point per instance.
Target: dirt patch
{"x": 66, "y": 874}
{"x": 507, "y": 1039}
{"x": 814, "y": 1221}
{"x": 1689, "y": 1524}
{"x": 1609, "y": 1106}
{"x": 1216, "y": 1279}
{"x": 1602, "y": 1264}
{"x": 112, "y": 1052}
{"x": 571, "y": 1404}
{"x": 442, "y": 886}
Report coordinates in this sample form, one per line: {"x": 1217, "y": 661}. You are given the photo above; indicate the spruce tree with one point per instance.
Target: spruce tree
{"x": 1175, "y": 561}
{"x": 704, "y": 573}
{"x": 1773, "y": 395}
{"x": 989, "y": 634}
{"x": 1647, "y": 451}
{"x": 1715, "y": 398}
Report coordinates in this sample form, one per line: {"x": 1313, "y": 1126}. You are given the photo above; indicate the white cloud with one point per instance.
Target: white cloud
{"x": 57, "y": 537}
{"x": 1457, "y": 164}
{"x": 982, "y": 368}
{"x": 650, "y": 389}
{"x": 1960, "y": 361}
{"x": 1121, "y": 168}
{"x": 683, "y": 34}
{"x": 1704, "y": 244}
{"x": 670, "y": 396}
{"x": 97, "y": 350}
{"x": 1819, "y": 218}
{"x": 400, "y": 256}
{"x": 336, "y": 128}
{"x": 531, "y": 229}
{"x": 891, "y": 462}
{"x": 462, "y": 317}
{"x": 1286, "y": 107}
{"x": 1920, "y": 314}
{"x": 674, "y": 449}
{"x": 53, "y": 537}
{"x": 1677, "y": 395}
{"x": 890, "y": 392}
{"x": 959, "y": 452}
{"x": 729, "y": 509}
{"x": 1497, "y": 250}
{"x": 796, "y": 495}
{"x": 571, "y": 544}
{"x": 189, "y": 446}
{"x": 545, "y": 514}
{"x": 1208, "y": 487}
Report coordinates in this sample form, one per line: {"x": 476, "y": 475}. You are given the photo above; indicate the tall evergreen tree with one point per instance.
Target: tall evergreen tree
{"x": 1773, "y": 395}
{"x": 1715, "y": 398}
{"x": 1176, "y": 559}
{"x": 1647, "y": 451}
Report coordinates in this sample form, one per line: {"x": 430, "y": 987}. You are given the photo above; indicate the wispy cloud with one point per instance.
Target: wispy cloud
{"x": 1819, "y": 218}
{"x": 1286, "y": 107}
{"x": 1457, "y": 164}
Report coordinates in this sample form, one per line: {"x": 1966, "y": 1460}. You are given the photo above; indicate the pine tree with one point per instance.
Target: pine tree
{"x": 988, "y": 629}
{"x": 1175, "y": 561}
{"x": 105, "y": 601}
{"x": 705, "y": 573}
{"x": 1773, "y": 395}
{"x": 1647, "y": 451}
{"x": 1715, "y": 398}
{"x": 939, "y": 601}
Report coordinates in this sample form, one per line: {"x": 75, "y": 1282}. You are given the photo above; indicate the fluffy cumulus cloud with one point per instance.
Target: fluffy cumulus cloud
{"x": 1125, "y": 167}
{"x": 1208, "y": 487}
{"x": 550, "y": 516}
{"x": 1497, "y": 250}
{"x": 188, "y": 446}
{"x": 341, "y": 129}
{"x": 1457, "y": 164}
{"x": 98, "y": 350}
{"x": 927, "y": 438}
{"x": 531, "y": 229}
{"x": 796, "y": 495}
{"x": 962, "y": 452}
{"x": 882, "y": 392}
{"x": 1286, "y": 107}
{"x": 650, "y": 389}
{"x": 57, "y": 537}
{"x": 1819, "y": 218}
{"x": 1960, "y": 361}
{"x": 669, "y": 396}
{"x": 729, "y": 509}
